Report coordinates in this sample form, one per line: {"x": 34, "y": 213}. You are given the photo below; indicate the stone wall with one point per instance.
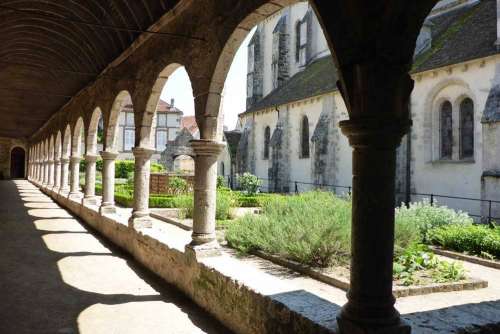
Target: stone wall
{"x": 6, "y": 146}
{"x": 159, "y": 183}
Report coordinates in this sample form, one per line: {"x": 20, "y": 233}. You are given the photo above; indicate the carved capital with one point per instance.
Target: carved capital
{"x": 91, "y": 157}
{"x": 75, "y": 160}
{"x": 142, "y": 152}
{"x": 377, "y": 133}
{"x": 207, "y": 147}
{"x": 108, "y": 155}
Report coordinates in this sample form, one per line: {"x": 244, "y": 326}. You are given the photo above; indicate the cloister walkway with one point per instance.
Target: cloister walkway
{"x": 58, "y": 277}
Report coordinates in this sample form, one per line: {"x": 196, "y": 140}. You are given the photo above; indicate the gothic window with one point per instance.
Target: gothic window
{"x": 466, "y": 129}
{"x": 304, "y": 138}
{"x": 267, "y": 142}
{"x": 275, "y": 59}
{"x": 446, "y": 130}
{"x": 279, "y": 61}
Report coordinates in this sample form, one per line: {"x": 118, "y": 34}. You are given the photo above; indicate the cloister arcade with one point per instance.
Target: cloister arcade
{"x": 372, "y": 43}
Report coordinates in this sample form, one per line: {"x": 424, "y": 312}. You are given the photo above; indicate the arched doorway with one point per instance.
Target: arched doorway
{"x": 17, "y": 160}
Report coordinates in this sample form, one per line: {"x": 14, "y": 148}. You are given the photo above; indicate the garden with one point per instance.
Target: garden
{"x": 313, "y": 228}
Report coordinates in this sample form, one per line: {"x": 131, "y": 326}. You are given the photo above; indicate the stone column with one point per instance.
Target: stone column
{"x": 45, "y": 172}
{"x": 379, "y": 118}
{"x": 64, "y": 175}
{"x": 140, "y": 214}
{"x": 75, "y": 177}
{"x": 205, "y": 183}
{"x": 50, "y": 181}
{"x": 37, "y": 171}
{"x": 108, "y": 182}
{"x": 57, "y": 174}
{"x": 90, "y": 172}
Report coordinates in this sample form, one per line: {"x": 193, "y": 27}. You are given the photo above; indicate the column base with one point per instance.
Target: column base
{"x": 107, "y": 209}
{"x": 140, "y": 222}
{"x": 91, "y": 200}
{"x": 204, "y": 250}
{"x": 75, "y": 196}
{"x": 347, "y": 326}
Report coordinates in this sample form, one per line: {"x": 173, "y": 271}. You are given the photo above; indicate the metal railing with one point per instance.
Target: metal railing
{"x": 299, "y": 186}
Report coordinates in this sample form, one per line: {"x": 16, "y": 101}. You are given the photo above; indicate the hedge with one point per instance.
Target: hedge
{"x": 122, "y": 167}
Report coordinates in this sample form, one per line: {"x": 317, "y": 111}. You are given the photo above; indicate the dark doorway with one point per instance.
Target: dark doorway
{"x": 17, "y": 157}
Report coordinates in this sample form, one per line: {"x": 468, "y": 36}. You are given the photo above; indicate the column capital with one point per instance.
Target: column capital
{"x": 91, "y": 157}
{"x": 108, "y": 155}
{"x": 75, "y": 159}
{"x": 142, "y": 152}
{"x": 58, "y": 161}
{"x": 207, "y": 147}
{"x": 375, "y": 132}
{"x": 64, "y": 160}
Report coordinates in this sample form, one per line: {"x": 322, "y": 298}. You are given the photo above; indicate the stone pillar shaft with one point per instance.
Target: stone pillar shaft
{"x": 140, "y": 213}
{"x": 57, "y": 173}
{"x": 370, "y": 299}
{"x": 64, "y": 174}
{"x": 205, "y": 184}
{"x": 50, "y": 181}
{"x": 90, "y": 173}
{"x": 75, "y": 175}
{"x": 45, "y": 172}
{"x": 108, "y": 180}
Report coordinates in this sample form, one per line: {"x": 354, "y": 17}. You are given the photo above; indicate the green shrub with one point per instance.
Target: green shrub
{"x": 312, "y": 228}
{"x": 157, "y": 168}
{"x": 221, "y": 182}
{"x": 123, "y": 168}
{"x": 249, "y": 183}
{"x": 417, "y": 257}
{"x": 475, "y": 239}
{"x": 178, "y": 185}
{"x": 252, "y": 201}
{"x": 226, "y": 200}
{"x": 422, "y": 217}
{"x": 185, "y": 203}
{"x": 98, "y": 165}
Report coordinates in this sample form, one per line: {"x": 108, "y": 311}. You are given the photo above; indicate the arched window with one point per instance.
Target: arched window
{"x": 446, "y": 130}
{"x": 267, "y": 142}
{"x": 304, "y": 138}
{"x": 466, "y": 129}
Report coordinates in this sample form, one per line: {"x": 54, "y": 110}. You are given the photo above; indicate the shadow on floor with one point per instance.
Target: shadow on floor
{"x": 54, "y": 291}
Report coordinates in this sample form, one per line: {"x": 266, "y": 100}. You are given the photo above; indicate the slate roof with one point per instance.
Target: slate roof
{"x": 463, "y": 34}
{"x": 317, "y": 78}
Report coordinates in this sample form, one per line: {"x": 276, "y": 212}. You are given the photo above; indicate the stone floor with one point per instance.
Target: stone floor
{"x": 56, "y": 276}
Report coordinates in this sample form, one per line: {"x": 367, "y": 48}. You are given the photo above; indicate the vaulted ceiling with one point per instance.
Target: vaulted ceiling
{"x": 51, "y": 49}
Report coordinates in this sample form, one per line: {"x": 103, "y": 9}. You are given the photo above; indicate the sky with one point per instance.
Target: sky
{"x": 179, "y": 88}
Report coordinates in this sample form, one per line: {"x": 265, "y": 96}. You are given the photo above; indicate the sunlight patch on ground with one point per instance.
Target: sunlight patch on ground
{"x": 42, "y": 205}
{"x": 103, "y": 274}
{"x": 74, "y": 243}
{"x": 49, "y": 213}
{"x": 137, "y": 317}
{"x": 59, "y": 225}
{"x": 38, "y": 199}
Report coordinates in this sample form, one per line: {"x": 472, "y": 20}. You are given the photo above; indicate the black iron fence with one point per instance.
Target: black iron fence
{"x": 483, "y": 213}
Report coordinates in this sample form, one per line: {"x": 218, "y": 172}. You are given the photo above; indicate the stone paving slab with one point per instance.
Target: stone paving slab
{"x": 58, "y": 277}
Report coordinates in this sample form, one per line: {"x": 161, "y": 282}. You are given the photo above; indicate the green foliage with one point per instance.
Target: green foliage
{"x": 178, "y": 185}
{"x": 420, "y": 217}
{"x": 417, "y": 258}
{"x": 252, "y": 201}
{"x": 123, "y": 168}
{"x": 249, "y": 183}
{"x": 221, "y": 183}
{"x": 474, "y": 239}
{"x": 225, "y": 202}
{"x": 98, "y": 165}
{"x": 312, "y": 228}
{"x": 157, "y": 168}
{"x": 130, "y": 179}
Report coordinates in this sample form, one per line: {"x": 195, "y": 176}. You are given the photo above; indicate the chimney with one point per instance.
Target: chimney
{"x": 173, "y": 100}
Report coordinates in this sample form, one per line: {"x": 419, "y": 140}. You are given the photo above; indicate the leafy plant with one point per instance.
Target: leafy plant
{"x": 221, "y": 183}
{"x": 178, "y": 185}
{"x": 249, "y": 183}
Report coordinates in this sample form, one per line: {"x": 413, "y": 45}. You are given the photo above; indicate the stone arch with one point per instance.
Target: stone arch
{"x": 111, "y": 129}
{"x": 148, "y": 125}
{"x": 207, "y": 104}
{"x": 78, "y": 135}
{"x": 92, "y": 131}
{"x": 180, "y": 146}
{"x": 17, "y": 162}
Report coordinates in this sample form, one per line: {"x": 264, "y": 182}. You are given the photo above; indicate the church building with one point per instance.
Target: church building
{"x": 290, "y": 135}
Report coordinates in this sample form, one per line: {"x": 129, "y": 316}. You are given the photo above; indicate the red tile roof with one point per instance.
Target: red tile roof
{"x": 189, "y": 122}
